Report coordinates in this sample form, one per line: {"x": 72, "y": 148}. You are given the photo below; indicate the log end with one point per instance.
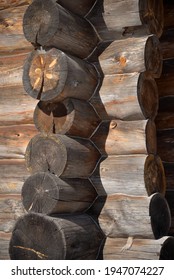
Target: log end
{"x": 167, "y": 250}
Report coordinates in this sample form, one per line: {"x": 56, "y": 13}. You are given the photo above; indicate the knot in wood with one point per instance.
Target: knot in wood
{"x": 113, "y": 124}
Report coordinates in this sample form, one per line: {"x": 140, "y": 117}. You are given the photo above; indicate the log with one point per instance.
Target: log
{"x": 4, "y": 4}
{"x": 141, "y": 249}
{"x": 48, "y": 24}
{"x": 133, "y": 55}
{"x": 169, "y": 173}
{"x": 61, "y": 155}
{"x": 79, "y": 7}
{"x": 112, "y": 18}
{"x": 70, "y": 117}
{"x": 4, "y": 245}
{"x": 167, "y": 42}
{"x": 12, "y": 39}
{"x": 14, "y": 139}
{"x": 73, "y": 237}
{"x": 13, "y": 174}
{"x": 125, "y": 137}
{"x": 45, "y": 193}
{"x": 11, "y": 209}
{"x": 135, "y": 216}
{"x": 132, "y": 96}
{"x": 168, "y": 14}
{"x": 165, "y": 144}
{"x": 166, "y": 82}
{"x": 130, "y": 174}
{"x": 52, "y": 75}
{"x": 165, "y": 116}
{"x": 10, "y": 111}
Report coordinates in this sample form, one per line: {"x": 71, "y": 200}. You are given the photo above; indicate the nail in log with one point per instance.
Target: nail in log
{"x": 165, "y": 116}
{"x": 132, "y": 55}
{"x": 48, "y": 24}
{"x": 68, "y": 237}
{"x": 125, "y": 137}
{"x": 135, "y": 216}
{"x": 61, "y": 155}
{"x": 79, "y": 7}
{"x": 166, "y": 82}
{"x": 141, "y": 249}
{"x": 45, "y": 193}
{"x": 132, "y": 96}
{"x": 165, "y": 145}
{"x": 130, "y": 174}
{"x": 52, "y": 75}
{"x": 71, "y": 117}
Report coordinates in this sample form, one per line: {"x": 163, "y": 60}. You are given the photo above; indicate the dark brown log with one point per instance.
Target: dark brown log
{"x": 71, "y": 117}
{"x": 79, "y": 7}
{"x": 4, "y": 4}
{"x": 48, "y": 24}
{"x": 166, "y": 82}
{"x": 141, "y": 249}
{"x": 12, "y": 40}
{"x": 13, "y": 173}
{"x": 65, "y": 237}
{"x": 61, "y": 155}
{"x": 45, "y": 193}
{"x": 135, "y": 216}
{"x": 130, "y": 96}
{"x": 132, "y": 55}
{"x": 165, "y": 145}
{"x": 112, "y": 19}
{"x": 124, "y": 137}
{"x": 52, "y": 75}
{"x": 11, "y": 209}
{"x": 169, "y": 172}
{"x": 168, "y": 14}
{"x": 14, "y": 139}
{"x": 167, "y": 42}
{"x": 165, "y": 116}
{"x": 4, "y": 245}
{"x": 130, "y": 174}
{"x": 10, "y": 111}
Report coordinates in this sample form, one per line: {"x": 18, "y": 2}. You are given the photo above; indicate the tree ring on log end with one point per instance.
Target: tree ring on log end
{"x": 41, "y": 21}
{"x": 153, "y": 56}
{"x": 154, "y": 176}
{"x": 167, "y": 250}
{"x": 54, "y": 117}
{"x": 152, "y": 14}
{"x": 160, "y": 215}
{"x": 45, "y": 74}
{"x": 40, "y": 151}
{"x": 147, "y": 95}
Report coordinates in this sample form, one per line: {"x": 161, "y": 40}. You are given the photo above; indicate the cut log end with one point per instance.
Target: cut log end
{"x": 154, "y": 175}
{"x": 160, "y": 216}
{"x": 167, "y": 250}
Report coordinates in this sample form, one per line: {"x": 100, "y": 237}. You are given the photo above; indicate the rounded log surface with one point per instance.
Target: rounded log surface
{"x": 48, "y": 24}
{"x": 61, "y": 155}
{"x": 46, "y": 193}
{"x": 166, "y": 82}
{"x": 79, "y": 7}
{"x": 165, "y": 116}
{"x": 50, "y": 75}
{"x": 71, "y": 117}
{"x": 41, "y": 237}
{"x": 165, "y": 144}
{"x": 167, "y": 250}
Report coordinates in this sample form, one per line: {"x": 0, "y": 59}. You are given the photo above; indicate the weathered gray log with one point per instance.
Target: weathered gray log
{"x": 165, "y": 145}
{"x": 13, "y": 140}
{"x": 130, "y": 174}
{"x": 135, "y": 216}
{"x": 73, "y": 237}
{"x": 48, "y": 24}
{"x": 141, "y": 249}
{"x": 166, "y": 82}
{"x": 132, "y": 55}
{"x": 4, "y": 4}
{"x": 71, "y": 117}
{"x": 52, "y": 75}
{"x": 11, "y": 209}
{"x": 12, "y": 40}
{"x": 45, "y": 193}
{"x": 4, "y": 245}
{"x": 167, "y": 41}
{"x": 124, "y": 137}
{"x": 112, "y": 18}
{"x": 131, "y": 96}
{"x": 165, "y": 116}
{"x": 62, "y": 156}
{"x": 79, "y": 7}
{"x": 13, "y": 173}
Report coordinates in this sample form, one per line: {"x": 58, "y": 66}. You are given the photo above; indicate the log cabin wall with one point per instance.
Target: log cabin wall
{"x": 122, "y": 100}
